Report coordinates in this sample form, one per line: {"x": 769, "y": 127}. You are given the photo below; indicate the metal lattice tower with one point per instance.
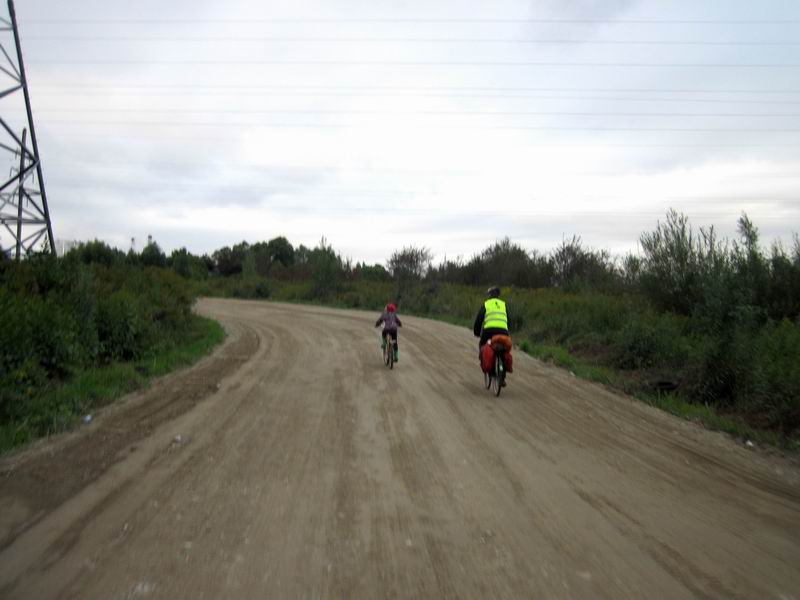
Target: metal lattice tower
{"x": 23, "y": 201}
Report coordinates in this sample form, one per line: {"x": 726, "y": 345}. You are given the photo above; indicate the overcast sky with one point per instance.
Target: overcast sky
{"x": 382, "y": 124}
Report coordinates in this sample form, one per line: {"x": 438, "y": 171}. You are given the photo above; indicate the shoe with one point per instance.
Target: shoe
{"x": 504, "y": 384}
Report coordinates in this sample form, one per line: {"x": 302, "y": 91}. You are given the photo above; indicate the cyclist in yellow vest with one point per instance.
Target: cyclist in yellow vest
{"x": 492, "y": 318}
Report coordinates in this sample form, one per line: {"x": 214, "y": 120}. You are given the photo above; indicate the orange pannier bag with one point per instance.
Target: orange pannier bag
{"x": 501, "y": 340}
{"x": 504, "y": 342}
{"x": 487, "y": 358}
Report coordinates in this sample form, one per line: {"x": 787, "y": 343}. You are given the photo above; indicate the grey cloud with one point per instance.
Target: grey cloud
{"x": 111, "y": 174}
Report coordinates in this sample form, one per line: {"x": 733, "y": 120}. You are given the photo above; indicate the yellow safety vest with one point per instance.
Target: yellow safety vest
{"x": 496, "y": 316}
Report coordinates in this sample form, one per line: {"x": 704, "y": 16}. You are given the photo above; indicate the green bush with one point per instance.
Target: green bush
{"x": 18, "y": 384}
{"x": 350, "y": 299}
{"x": 647, "y": 340}
{"x": 37, "y": 330}
{"x": 554, "y": 316}
{"x": 778, "y": 351}
{"x": 96, "y": 252}
{"x": 374, "y": 295}
{"x": 59, "y": 317}
{"x": 253, "y": 289}
{"x": 54, "y": 337}
{"x": 119, "y": 326}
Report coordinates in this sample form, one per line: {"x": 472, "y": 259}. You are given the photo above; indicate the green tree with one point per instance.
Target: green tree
{"x": 153, "y": 256}
{"x": 96, "y": 252}
{"x": 249, "y": 266}
{"x": 281, "y": 250}
{"x": 670, "y": 266}
{"x": 228, "y": 261}
{"x": 408, "y": 266}
{"x": 187, "y": 265}
{"x": 575, "y": 267}
{"x": 751, "y": 269}
{"x": 327, "y": 269}
{"x": 506, "y": 263}
{"x": 372, "y": 272}
{"x": 783, "y": 293}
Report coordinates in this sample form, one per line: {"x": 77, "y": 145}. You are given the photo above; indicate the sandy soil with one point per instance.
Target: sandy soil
{"x": 292, "y": 464}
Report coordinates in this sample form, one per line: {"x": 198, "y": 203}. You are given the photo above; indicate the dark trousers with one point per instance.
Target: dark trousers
{"x": 393, "y": 333}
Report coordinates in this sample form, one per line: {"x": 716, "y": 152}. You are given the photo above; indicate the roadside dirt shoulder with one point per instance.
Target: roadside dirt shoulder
{"x": 39, "y": 478}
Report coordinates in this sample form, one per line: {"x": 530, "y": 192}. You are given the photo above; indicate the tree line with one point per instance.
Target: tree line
{"x": 678, "y": 269}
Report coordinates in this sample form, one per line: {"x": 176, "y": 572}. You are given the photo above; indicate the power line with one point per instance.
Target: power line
{"x": 261, "y": 168}
{"x": 389, "y": 112}
{"x": 410, "y": 63}
{"x": 423, "y": 88}
{"x": 426, "y": 40}
{"x": 511, "y": 20}
{"x": 173, "y": 186}
{"x": 314, "y": 202}
{"x": 264, "y": 94}
{"x": 434, "y": 127}
{"x": 148, "y": 137}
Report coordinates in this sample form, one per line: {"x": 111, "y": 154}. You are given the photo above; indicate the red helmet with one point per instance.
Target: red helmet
{"x": 391, "y": 308}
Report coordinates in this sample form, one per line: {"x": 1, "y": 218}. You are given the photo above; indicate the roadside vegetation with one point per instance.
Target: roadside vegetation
{"x": 704, "y": 327}
{"x": 79, "y": 331}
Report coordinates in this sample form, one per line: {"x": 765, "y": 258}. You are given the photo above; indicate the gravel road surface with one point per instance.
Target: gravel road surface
{"x": 292, "y": 464}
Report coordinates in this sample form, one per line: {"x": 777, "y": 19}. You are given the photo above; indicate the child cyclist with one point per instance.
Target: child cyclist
{"x": 390, "y": 322}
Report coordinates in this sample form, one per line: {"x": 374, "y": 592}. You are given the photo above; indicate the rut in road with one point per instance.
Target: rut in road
{"x": 292, "y": 463}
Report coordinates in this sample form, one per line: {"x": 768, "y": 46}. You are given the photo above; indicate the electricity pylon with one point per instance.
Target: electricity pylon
{"x": 23, "y": 201}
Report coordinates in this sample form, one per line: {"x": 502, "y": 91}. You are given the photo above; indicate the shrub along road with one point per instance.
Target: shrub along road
{"x": 292, "y": 463}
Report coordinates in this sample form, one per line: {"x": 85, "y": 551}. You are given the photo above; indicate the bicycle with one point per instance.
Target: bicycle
{"x": 495, "y": 379}
{"x": 388, "y": 350}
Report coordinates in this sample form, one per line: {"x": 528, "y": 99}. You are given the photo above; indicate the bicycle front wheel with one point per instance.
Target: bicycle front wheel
{"x": 388, "y": 352}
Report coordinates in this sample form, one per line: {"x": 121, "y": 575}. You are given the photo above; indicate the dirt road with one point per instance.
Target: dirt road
{"x": 293, "y": 464}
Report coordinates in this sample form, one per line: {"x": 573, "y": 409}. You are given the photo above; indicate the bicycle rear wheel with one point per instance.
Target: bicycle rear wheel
{"x": 487, "y": 379}
{"x": 499, "y": 374}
